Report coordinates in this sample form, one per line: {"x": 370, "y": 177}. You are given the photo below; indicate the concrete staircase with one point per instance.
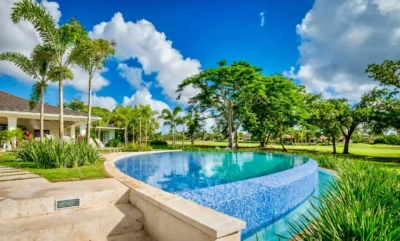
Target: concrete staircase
{"x": 27, "y": 211}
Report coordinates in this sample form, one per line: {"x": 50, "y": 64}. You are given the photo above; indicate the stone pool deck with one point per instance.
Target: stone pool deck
{"x": 27, "y": 211}
{"x": 10, "y": 174}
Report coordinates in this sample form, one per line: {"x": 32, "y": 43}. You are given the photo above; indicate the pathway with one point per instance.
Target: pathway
{"x": 11, "y": 174}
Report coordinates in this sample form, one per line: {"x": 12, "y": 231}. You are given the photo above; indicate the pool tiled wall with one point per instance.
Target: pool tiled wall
{"x": 260, "y": 201}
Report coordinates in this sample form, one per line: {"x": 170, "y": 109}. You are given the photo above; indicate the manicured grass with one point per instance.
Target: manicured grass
{"x": 94, "y": 171}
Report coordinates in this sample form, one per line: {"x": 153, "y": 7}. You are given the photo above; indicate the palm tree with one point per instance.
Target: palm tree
{"x": 182, "y": 121}
{"x": 171, "y": 119}
{"x": 61, "y": 40}
{"x": 91, "y": 56}
{"x": 37, "y": 66}
{"x": 124, "y": 114}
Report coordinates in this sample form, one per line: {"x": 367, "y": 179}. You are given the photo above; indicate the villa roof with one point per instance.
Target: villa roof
{"x": 14, "y": 103}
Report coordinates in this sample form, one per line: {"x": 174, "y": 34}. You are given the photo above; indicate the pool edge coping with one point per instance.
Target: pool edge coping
{"x": 209, "y": 221}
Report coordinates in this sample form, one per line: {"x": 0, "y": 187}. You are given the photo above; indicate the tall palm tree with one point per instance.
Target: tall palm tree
{"x": 182, "y": 121}
{"x": 37, "y": 66}
{"x": 124, "y": 115}
{"x": 171, "y": 119}
{"x": 91, "y": 56}
{"x": 59, "y": 39}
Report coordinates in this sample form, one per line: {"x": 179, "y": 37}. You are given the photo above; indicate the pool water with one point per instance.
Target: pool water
{"x": 280, "y": 228}
{"x": 190, "y": 170}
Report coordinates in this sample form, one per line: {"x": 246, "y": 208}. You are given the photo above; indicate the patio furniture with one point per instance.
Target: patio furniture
{"x": 103, "y": 147}
{"x": 49, "y": 137}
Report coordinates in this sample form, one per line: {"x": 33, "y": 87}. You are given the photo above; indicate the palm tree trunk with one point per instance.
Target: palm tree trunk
{"x": 42, "y": 111}
{"x": 140, "y": 133}
{"x": 126, "y": 136}
{"x": 61, "y": 107}
{"x": 145, "y": 133}
{"x": 89, "y": 111}
{"x": 183, "y": 136}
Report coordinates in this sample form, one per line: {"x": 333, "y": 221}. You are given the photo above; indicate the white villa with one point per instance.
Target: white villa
{"x": 15, "y": 112}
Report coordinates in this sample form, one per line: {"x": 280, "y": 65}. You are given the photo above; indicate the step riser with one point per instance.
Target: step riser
{"x": 13, "y": 208}
{"x": 76, "y": 229}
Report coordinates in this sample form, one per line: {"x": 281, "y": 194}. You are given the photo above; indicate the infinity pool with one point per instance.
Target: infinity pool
{"x": 185, "y": 171}
{"x": 259, "y": 188}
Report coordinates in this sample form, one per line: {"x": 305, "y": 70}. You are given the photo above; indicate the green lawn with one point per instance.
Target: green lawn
{"x": 94, "y": 171}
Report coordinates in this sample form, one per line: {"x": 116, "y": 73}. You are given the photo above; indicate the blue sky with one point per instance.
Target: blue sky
{"x": 204, "y": 30}
{"x": 322, "y": 44}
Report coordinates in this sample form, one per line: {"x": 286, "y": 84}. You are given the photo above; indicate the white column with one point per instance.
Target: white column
{"x": 82, "y": 127}
{"x": 72, "y": 132}
{"x": 12, "y": 125}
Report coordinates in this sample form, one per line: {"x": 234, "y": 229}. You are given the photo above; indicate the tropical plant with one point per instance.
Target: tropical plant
{"x": 91, "y": 56}
{"x": 227, "y": 91}
{"x": 37, "y": 67}
{"x": 171, "y": 118}
{"x": 363, "y": 204}
{"x": 58, "y": 40}
{"x": 54, "y": 154}
{"x": 124, "y": 115}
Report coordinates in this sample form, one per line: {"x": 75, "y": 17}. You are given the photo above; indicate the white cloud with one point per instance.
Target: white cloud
{"x": 154, "y": 52}
{"x": 53, "y": 9}
{"x": 144, "y": 97}
{"x": 338, "y": 41}
{"x": 262, "y": 19}
{"x": 133, "y": 75}
{"x": 81, "y": 80}
{"x": 22, "y": 38}
{"x": 107, "y": 102}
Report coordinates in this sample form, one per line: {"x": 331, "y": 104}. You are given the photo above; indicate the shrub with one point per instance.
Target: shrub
{"x": 114, "y": 143}
{"x": 362, "y": 204}
{"x": 390, "y": 140}
{"x": 136, "y": 147}
{"x": 54, "y": 154}
{"x": 158, "y": 143}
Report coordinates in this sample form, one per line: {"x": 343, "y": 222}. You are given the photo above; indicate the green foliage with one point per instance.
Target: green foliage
{"x": 158, "y": 143}
{"x": 388, "y": 73}
{"x": 54, "y": 154}
{"x": 363, "y": 204}
{"x": 389, "y": 139}
{"x": 115, "y": 143}
{"x": 133, "y": 147}
{"x": 171, "y": 119}
{"x": 226, "y": 91}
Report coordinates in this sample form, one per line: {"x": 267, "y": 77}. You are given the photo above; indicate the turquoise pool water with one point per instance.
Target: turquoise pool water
{"x": 281, "y": 226}
{"x": 190, "y": 170}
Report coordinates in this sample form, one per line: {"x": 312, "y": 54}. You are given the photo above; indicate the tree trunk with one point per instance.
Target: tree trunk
{"x": 89, "y": 111}
{"x": 126, "y": 136}
{"x": 283, "y": 147}
{"x": 183, "y": 137}
{"x": 192, "y": 141}
{"x": 140, "y": 133}
{"x": 61, "y": 108}
{"x": 42, "y": 111}
{"x": 346, "y": 144}
{"x": 230, "y": 127}
{"x": 262, "y": 142}
{"x": 267, "y": 140}
{"x": 236, "y": 140}
{"x": 334, "y": 144}
{"x": 145, "y": 134}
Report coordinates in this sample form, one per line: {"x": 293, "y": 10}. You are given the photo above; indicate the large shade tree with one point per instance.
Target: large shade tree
{"x": 171, "y": 118}
{"x": 227, "y": 91}
{"x": 37, "y": 67}
{"x": 281, "y": 107}
{"x": 61, "y": 40}
{"x": 91, "y": 56}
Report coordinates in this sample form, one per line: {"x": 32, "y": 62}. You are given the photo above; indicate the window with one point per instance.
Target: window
{"x": 3, "y": 127}
{"x": 36, "y": 133}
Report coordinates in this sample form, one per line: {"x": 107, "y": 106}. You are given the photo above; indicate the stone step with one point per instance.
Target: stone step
{"x": 32, "y": 197}
{"x": 4, "y": 174}
{"x": 85, "y": 224}
{"x": 18, "y": 177}
{"x": 131, "y": 236}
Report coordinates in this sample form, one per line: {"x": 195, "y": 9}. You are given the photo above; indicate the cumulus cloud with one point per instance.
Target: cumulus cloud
{"x": 144, "y": 97}
{"x": 133, "y": 75}
{"x": 107, "y": 102}
{"x": 262, "y": 19}
{"x": 338, "y": 41}
{"x": 140, "y": 40}
{"x": 22, "y": 38}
